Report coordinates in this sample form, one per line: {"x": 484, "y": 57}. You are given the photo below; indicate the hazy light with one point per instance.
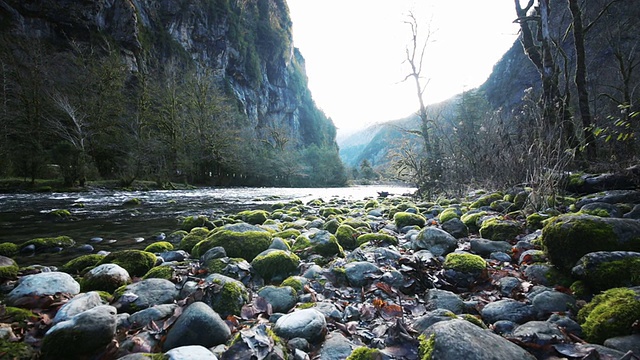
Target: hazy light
{"x": 355, "y": 49}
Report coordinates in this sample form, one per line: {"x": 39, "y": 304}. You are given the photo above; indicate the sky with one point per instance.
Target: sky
{"x": 355, "y": 52}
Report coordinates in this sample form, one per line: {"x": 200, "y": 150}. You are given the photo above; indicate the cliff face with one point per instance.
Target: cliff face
{"x": 244, "y": 46}
{"x": 245, "y": 43}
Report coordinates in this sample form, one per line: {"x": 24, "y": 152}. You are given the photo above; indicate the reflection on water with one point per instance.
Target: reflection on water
{"x": 101, "y": 213}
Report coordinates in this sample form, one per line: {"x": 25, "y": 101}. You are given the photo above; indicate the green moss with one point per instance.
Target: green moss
{"x": 287, "y": 234}
{"x": 19, "y": 314}
{"x": 244, "y": 245}
{"x": 132, "y": 202}
{"x": 448, "y": 214}
{"x": 426, "y": 345}
{"x": 332, "y": 225}
{"x": 77, "y": 265}
{"x": 136, "y": 262}
{"x": 372, "y": 204}
{"x": 275, "y": 265}
{"x": 486, "y": 200}
{"x": 308, "y": 305}
{"x": 403, "y": 219}
{"x": 191, "y": 222}
{"x": 576, "y": 180}
{"x": 595, "y": 212}
{"x": 188, "y": 242}
{"x": 474, "y": 320}
{"x": 471, "y": 220}
{"x": 462, "y": 262}
{"x": 254, "y": 217}
{"x": 535, "y": 220}
{"x": 377, "y": 238}
{"x": 497, "y": 229}
{"x": 612, "y": 274}
{"x": 580, "y": 289}
{"x": 106, "y": 297}
{"x": 159, "y": 247}
{"x": 52, "y": 242}
{"x": 230, "y": 299}
{"x": 159, "y": 272}
{"x": 364, "y": 353}
{"x": 10, "y": 270}
{"x": 357, "y": 224}
{"x": 277, "y": 206}
{"x": 346, "y": 236}
{"x": 60, "y": 213}
{"x": 294, "y": 282}
{"x": 326, "y": 212}
{"x": 15, "y": 350}
{"x": 610, "y": 314}
{"x": 567, "y": 238}
{"x": 8, "y": 249}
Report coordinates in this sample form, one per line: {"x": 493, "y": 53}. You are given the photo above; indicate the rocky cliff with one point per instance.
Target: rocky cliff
{"x": 244, "y": 47}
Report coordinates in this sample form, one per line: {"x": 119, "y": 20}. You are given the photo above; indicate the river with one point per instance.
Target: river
{"x": 101, "y": 214}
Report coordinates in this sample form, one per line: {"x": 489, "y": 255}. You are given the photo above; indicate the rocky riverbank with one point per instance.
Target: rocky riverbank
{"x": 483, "y": 277}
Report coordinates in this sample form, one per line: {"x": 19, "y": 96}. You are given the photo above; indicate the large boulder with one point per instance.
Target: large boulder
{"x": 42, "y": 284}
{"x": 225, "y": 295}
{"x": 309, "y": 324}
{"x": 566, "y": 238}
{"x": 610, "y": 314}
{"x": 437, "y": 241}
{"x": 136, "y": 262}
{"x": 275, "y": 265}
{"x": 198, "y": 325}
{"x": 603, "y": 270}
{"x": 319, "y": 242}
{"x": 105, "y": 277}
{"x": 460, "y": 339}
{"x": 8, "y": 268}
{"x": 77, "y": 305}
{"x": 403, "y": 219}
{"x": 244, "y": 241}
{"x": 144, "y": 294}
{"x": 81, "y": 336}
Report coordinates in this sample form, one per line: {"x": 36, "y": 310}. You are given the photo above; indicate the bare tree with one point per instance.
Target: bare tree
{"x": 75, "y": 132}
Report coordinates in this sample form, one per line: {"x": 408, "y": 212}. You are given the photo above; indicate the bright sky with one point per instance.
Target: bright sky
{"x": 355, "y": 49}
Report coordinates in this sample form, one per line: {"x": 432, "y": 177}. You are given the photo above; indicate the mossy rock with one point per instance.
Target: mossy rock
{"x": 160, "y": 272}
{"x": 8, "y": 268}
{"x": 188, "y": 242}
{"x": 376, "y": 238}
{"x": 371, "y": 204}
{"x": 347, "y": 236}
{"x": 244, "y": 245}
{"x": 136, "y": 262}
{"x": 176, "y": 236}
{"x": 498, "y": 229}
{"x": 275, "y": 265}
{"x": 403, "y": 219}
{"x": 297, "y": 283}
{"x": 44, "y": 244}
{"x": 536, "y": 221}
{"x": 19, "y": 314}
{"x": 466, "y": 263}
{"x": 132, "y": 202}
{"x": 322, "y": 243}
{"x": 365, "y": 353}
{"x": 16, "y": 350}
{"x": 610, "y": 314}
{"x": 288, "y": 234}
{"x": 566, "y": 238}
{"x": 331, "y": 226}
{"x": 191, "y": 222}
{"x": 159, "y": 247}
{"x": 425, "y": 346}
{"x": 60, "y": 214}
{"x": 357, "y": 223}
{"x": 486, "y": 200}
{"x": 107, "y": 278}
{"x": 326, "y": 212}
{"x": 605, "y": 270}
{"x": 9, "y": 249}
{"x": 472, "y": 219}
{"x": 236, "y": 268}
{"x": 448, "y": 214}
{"x": 226, "y": 295}
{"x": 81, "y": 263}
{"x": 254, "y": 217}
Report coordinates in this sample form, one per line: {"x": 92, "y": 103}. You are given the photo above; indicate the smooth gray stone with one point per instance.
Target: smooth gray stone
{"x": 198, "y": 325}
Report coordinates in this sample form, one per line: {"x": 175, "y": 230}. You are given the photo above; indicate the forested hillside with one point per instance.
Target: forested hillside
{"x": 535, "y": 111}
{"x": 206, "y": 92}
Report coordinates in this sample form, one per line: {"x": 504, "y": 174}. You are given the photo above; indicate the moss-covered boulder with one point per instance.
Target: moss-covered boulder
{"x": 160, "y": 272}
{"x": 295, "y": 282}
{"x": 254, "y": 217}
{"x": 105, "y": 277}
{"x": 364, "y": 353}
{"x": 50, "y": 243}
{"x": 403, "y": 219}
{"x": 240, "y": 244}
{"x": 196, "y": 235}
{"x": 472, "y": 219}
{"x": 448, "y": 214}
{"x": 275, "y": 265}
{"x": 319, "y": 242}
{"x": 603, "y": 270}
{"x": 610, "y": 314}
{"x": 566, "y": 238}
{"x": 535, "y": 221}
{"x": 159, "y": 247}
{"x": 8, "y": 268}
{"x": 225, "y": 295}
{"x": 81, "y": 264}
{"x": 499, "y": 229}
{"x": 287, "y": 234}
{"x": 191, "y": 222}
{"x": 331, "y": 225}
{"x": 486, "y": 200}
{"x": 16, "y": 350}
{"x": 347, "y": 236}
{"x": 9, "y": 249}
{"x": 463, "y": 262}
{"x": 330, "y": 211}
{"x": 357, "y": 223}
{"x": 136, "y": 262}
{"x": 376, "y": 238}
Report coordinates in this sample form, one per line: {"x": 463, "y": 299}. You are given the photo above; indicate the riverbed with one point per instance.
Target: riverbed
{"x": 100, "y": 219}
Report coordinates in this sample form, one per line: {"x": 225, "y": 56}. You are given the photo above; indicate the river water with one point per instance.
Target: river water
{"x": 101, "y": 214}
